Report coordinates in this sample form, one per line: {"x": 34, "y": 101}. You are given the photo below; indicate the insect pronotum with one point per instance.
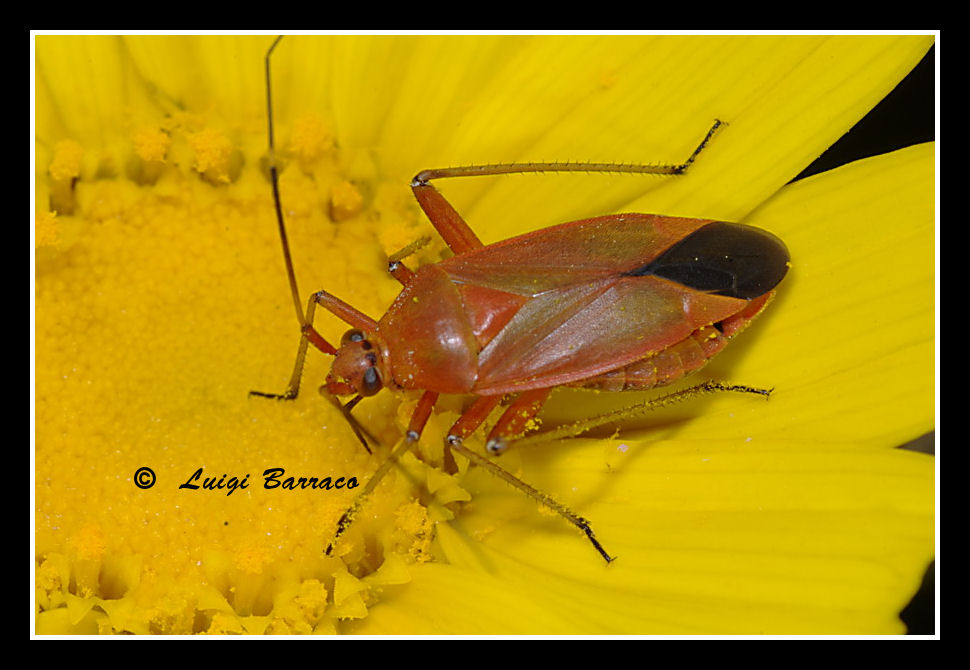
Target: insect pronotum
{"x": 617, "y": 302}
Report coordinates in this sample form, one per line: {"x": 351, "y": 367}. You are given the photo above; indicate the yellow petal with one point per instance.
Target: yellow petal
{"x": 171, "y": 305}
{"x": 783, "y": 99}
{"x": 722, "y": 532}
{"x": 849, "y": 343}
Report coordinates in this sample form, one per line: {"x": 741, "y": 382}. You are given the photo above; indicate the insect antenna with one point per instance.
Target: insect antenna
{"x": 304, "y": 319}
{"x": 275, "y": 180}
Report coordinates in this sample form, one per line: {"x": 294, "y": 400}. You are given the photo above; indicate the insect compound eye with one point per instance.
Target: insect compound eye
{"x": 370, "y": 382}
{"x": 352, "y": 335}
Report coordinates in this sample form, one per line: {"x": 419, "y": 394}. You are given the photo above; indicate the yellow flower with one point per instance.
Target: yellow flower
{"x": 161, "y": 301}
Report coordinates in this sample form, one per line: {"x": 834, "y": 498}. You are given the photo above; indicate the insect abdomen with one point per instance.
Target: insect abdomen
{"x": 664, "y": 367}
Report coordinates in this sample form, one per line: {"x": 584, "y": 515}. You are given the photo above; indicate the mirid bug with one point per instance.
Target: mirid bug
{"x": 617, "y": 302}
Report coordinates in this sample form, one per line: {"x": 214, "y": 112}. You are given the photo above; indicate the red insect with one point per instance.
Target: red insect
{"x": 618, "y": 302}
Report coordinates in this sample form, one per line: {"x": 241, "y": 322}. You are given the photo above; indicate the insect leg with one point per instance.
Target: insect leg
{"x": 395, "y": 265}
{"x": 309, "y": 335}
{"x": 400, "y": 272}
{"x": 421, "y": 414}
{"x": 446, "y": 220}
{"x": 640, "y": 409}
{"x": 348, "y": 517}
{"x": 411, "y": 248}
{"x": 682, "y": 168}
{"x": 471, "y": 419}
{"x": 466, "y": 424}
{"x": 516, "y": 419}
{"x": 461, "y": 238}
{"x": 418, "y": 420}
{"x": 422, "y": 178}
{"x": 534, "y": 493}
